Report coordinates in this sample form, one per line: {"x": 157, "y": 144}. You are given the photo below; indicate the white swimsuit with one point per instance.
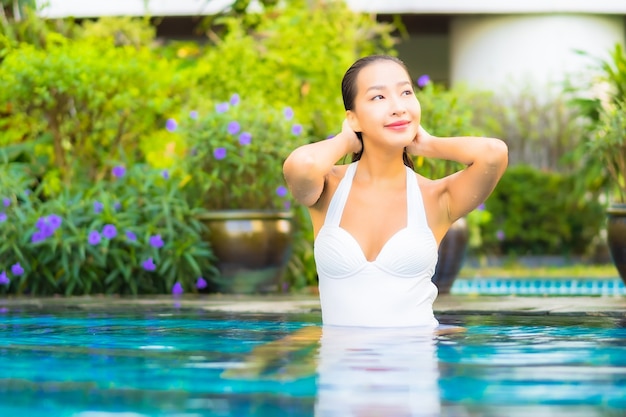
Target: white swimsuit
{"x": 394, "y": 290}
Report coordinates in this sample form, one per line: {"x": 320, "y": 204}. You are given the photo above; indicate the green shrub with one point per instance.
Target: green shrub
{"x": 536, "y": 213}
{"x": 130, "y": 234}
{"x": 294, "y": 56}
{"x": 234, "y": 153}
{"x": 85, "y": 103}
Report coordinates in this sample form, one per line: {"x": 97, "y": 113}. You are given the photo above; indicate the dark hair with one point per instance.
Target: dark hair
{"x": 348, "y": 92}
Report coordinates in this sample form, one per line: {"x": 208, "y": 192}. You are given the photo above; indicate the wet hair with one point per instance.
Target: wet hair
{"x": 349, "y": 91}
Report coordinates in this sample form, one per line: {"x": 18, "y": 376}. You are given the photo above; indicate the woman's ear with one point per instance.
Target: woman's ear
{"x": 353, "y": 121}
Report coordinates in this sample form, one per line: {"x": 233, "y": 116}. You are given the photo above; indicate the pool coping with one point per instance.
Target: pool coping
{"x": 445, "y": 304}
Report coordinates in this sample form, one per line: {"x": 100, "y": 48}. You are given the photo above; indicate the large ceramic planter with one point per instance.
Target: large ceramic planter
{"x": 452, "y": 250}
{"x": 616, "y": 237}
{"x": 252, "y": 248}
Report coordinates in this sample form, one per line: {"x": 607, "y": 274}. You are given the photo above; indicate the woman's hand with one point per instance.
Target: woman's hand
{"x": 421, "y": 140}
{"x": 354, "y": 144}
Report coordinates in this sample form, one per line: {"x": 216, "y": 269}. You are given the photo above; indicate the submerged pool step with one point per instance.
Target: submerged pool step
{"x": 531, "y": 286}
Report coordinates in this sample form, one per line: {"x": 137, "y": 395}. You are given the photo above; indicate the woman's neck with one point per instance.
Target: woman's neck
{"x": 380, "y": 168}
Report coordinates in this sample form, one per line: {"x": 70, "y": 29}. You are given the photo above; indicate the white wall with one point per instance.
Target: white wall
{"x": 505, "y": 52}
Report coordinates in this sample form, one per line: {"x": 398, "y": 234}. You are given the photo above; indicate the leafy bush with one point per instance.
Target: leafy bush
{"x": 86, "y": 102}
{"x": 235, "y": 152}
{"x": 446, "y": 112}
{"x": 133, "y": 234}
{"x": 295, "y": 55}
{"x": 535, "y": 212}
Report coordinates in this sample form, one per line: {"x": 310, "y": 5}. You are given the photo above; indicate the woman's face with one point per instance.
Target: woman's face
{"x": 385, "y": 107}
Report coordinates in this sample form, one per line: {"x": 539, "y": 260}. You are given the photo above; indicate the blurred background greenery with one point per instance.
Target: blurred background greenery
{"x": 91, "y": 131}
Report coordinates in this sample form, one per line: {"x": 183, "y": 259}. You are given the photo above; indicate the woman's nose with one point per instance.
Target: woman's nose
{"x": 397, "y": 106}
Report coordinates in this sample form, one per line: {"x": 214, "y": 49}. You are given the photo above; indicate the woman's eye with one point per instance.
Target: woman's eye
{"x": 407, "y": 92}
{"x": 378, "y": 97}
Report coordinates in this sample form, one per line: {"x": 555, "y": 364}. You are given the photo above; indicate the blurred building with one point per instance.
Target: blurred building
{"x": 491, "y": 44}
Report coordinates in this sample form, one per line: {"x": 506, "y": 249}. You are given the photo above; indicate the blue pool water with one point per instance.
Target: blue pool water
{"x": 193, "y": 363}
{"x": 526, "y": 286}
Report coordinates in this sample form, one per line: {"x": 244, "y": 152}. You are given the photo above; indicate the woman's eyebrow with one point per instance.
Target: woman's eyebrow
{"x": 382, "y": 87}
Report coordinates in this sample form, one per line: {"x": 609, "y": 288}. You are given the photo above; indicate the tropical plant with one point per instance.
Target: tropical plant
{"x": 608, "y": 144}
{"x": 84, "y": 102}
{"x": 234, "y": 154}
{"x": 294, "y": 55}
{"x": 132, "y": 233}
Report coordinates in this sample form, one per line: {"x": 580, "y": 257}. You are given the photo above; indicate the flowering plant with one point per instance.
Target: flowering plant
{"x": 131, "y": 233}
{"x": 235, "y": 152}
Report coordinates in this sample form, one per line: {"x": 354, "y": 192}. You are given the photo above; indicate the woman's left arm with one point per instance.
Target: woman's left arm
{"x": 485, "y": 159}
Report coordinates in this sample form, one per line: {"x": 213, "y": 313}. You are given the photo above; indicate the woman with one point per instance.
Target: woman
{"x": 377, "y": 223}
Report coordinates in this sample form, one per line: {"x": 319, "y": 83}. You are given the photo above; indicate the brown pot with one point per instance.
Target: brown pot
{"x": 252, "y": 247}
{"x": 452, "y": 250}
{"x": 616, "y": 237}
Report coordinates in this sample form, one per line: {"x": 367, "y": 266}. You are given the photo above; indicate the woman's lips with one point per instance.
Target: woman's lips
{"x": 398, "y": 125}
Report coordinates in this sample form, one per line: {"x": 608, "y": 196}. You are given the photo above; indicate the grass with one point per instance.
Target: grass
{"x": 520, "y": 271}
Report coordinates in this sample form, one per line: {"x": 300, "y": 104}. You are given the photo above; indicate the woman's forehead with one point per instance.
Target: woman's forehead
{"x": 381, "y": 74}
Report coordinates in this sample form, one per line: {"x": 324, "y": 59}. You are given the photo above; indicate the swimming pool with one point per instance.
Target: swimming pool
{"x": 169, "y": 361}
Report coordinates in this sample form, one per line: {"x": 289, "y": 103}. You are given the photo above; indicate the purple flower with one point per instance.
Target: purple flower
{"x": 118, "y": 171}
{"x": 46, "y": 230}
{"x": 41, "y": 222}
{"x": 109, "y": 231}
{"x": 219, "y": 153}
{"x": 423, "y": 81}
{"x": 245, "y": 138}
{"x": 233, "y": 128}
{"x": 94, "y": 237}
{"x": 234, "y": 99}
{"x": 165, "y": 174}
{"x": 156, "y": 241}
{"x": 54, "y": 221}
{"x": 16, "y": 269}
{"x": 330, "y": 136}
{"x": 222, "y": 107}
{"x": 6, "y": 201}
{"x": 171, "y": 125}
{"x": 481, "y": 207}
{"x": 4, "y": 280}
{"x": 201, "y": 283}
{"x": 193, "y": 114}
{"x": 288, "y": 112}
{"x": 117, "y": 206}
{"x": 38, "y": 237}
{"x": 296, "y": 129}
{"x": 287, "y": 205}
{"x": 3, "y": 217}
{"x": 281, "y": 191}
{"x": 500, "y": 235}
{"x": 148, "y": 264}
{"x": 130, "y": 235}
{"x": 47, "y": 226}
{"x": 177, "y": 289}
{"x": 97, "y": 207}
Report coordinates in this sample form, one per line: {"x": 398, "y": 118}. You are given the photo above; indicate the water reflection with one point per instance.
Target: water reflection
{"x": 377, "y": 372}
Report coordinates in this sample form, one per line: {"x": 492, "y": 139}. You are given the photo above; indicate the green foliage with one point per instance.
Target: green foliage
{"x": 602, "y": 156}
{"x": 125, "y": 30}
{"x": 235, "y": 152}
{"x": 19, "y": 23}
{"x": 66, "y": 245}
{"x": 608, "y": 145}
{"x": 295, "y": 56}
{"x": 89, "y": 101}
{"x": 535, "y": 212}
{"x": 446, "y": 112}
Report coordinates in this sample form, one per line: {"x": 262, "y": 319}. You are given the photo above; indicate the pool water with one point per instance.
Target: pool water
{"x": 192, "y": 363}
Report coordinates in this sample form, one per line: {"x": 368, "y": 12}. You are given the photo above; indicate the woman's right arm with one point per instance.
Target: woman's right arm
{"x": 308, "y": 166}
